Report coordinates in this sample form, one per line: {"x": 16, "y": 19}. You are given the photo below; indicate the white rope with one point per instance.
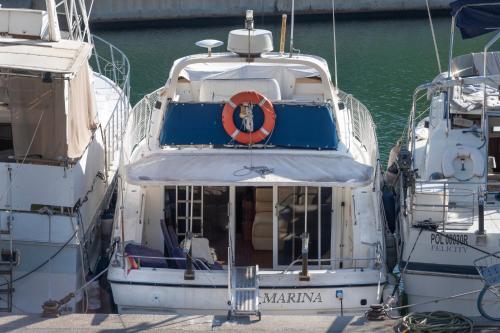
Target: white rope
{"x": 334, "y": 45}
{"x": 435, "y": 300}
{"x": 433, "y": 35}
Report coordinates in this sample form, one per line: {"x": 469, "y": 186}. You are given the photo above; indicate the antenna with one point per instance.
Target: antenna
{"x": 291, "y": 28}
{"x": 334, "y": 45}
{"x": 209, "y": 44}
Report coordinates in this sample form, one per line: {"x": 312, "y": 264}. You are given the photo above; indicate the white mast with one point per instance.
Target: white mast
{"x": 54, "y": 32}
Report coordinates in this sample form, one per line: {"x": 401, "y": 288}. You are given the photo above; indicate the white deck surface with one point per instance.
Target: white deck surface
{"x": 107, "y": 97}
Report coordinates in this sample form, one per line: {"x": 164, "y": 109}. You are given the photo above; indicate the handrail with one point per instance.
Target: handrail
{"x": 361, "y": 126}
{"x": 445, "y": 190}
{"x": 140, "y": 120}
{"x": 108, "y": 61}
{"x": 198, "y": 260}
{"x": 333, "y": 260}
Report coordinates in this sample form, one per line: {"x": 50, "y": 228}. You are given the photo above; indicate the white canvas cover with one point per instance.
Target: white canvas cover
{"x": 199, "y": 72}
{"x": 46, "y": 124}
{"x": 225, "y": 168}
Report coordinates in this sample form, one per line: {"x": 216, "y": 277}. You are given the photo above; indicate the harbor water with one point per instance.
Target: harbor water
{"x": 380, "y": 61}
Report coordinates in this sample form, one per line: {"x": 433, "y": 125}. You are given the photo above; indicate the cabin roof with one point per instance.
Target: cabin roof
{"x": 65, "y": 56}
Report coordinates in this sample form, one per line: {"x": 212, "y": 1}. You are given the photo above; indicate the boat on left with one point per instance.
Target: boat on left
{"x": 64, "y": 100}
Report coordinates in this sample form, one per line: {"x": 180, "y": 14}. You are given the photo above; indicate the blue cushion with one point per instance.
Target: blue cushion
{"x": 140, "y": 250}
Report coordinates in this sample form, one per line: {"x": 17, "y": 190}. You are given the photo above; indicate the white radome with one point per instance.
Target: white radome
{"x": 261, "y": 41}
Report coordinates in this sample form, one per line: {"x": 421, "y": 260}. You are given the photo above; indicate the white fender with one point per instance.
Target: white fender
{"x": 462, "y": 152}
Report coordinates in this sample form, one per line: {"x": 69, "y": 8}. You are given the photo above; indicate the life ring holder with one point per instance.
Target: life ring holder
{"x": 462, "y": 152}
{"x": 255, "y": 98}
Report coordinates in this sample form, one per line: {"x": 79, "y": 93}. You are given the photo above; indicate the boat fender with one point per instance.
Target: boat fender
{"x": 253, "y": 98}
{"x": 462, "y": 152}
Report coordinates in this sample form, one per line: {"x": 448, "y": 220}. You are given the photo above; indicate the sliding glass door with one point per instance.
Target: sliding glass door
{"x": 304, "y": 217}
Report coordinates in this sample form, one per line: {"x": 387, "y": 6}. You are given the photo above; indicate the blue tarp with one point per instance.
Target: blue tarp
{"x": 297, "y": 126}
{"x": 474, "y": 20}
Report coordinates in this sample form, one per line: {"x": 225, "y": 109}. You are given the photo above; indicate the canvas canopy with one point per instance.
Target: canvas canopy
{"x": 201, "y": 71}
{"x": 52, "y": 119}
{"x": 476, "y": 17}
{"x": 224, "y": 168}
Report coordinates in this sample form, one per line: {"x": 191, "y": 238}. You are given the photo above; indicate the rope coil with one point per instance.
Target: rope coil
{"x": 435, "y": 322}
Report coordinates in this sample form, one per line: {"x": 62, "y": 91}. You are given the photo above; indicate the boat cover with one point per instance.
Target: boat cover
{"x": 219, "y": 167}
{"x": 474, "y": 20}
{"x": 51, "y": 119}
{"x": 297, "y": 126}
{"x": 290, "y": 72}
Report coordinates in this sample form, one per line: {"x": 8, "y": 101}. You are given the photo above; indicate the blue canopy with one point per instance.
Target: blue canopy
{"x": 476, "y": 17}
{"x": 297, "y": 126}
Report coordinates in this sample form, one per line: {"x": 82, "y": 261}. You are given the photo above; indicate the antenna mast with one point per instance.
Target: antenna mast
{"x": 291, "y": 28}
{"x": 334, "y": 45}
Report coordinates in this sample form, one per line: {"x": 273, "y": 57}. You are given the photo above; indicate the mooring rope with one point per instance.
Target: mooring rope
{"x": 435, "y": 322}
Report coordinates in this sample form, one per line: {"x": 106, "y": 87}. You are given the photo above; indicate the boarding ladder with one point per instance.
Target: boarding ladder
{"x": 243, "y": 289}
{"x": 189, "y": 212}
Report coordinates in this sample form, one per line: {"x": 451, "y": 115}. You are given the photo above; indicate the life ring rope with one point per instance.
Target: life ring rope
{"x": 250, "y": 97}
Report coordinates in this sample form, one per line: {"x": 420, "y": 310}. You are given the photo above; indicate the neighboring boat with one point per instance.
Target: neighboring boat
{"x": 219, "y": 169}
{"x": 449, "y": 175}
{"x": 63, "y": 107}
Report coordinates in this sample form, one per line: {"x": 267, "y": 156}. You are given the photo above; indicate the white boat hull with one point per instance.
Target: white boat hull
{"x": 167, "y": 291}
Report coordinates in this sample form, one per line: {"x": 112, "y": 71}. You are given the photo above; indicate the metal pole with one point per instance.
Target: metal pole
{"x": 304, "y": 275}
{"x": 292, "y": 26}
{"x": 54, "y": 32}
{"x": 189, "y": 273}
{"x": 334, "y": 44}
{"x": 450, "y": 51}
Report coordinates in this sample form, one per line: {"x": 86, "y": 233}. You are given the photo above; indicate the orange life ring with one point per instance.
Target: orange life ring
{"x": 256, "y": 99}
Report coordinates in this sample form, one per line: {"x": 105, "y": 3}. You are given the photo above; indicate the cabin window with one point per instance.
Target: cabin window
{"x": 300, "y": 210}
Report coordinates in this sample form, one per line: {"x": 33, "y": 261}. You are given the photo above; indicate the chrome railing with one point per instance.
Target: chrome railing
{"x": 175, "y": 259}
{"x": 354, "y": 263}
{"x": 111, "y": 63}
{"x": 361, "y": 126}
{"x": 140, "y": 120}
{"x": 432, "y": 202}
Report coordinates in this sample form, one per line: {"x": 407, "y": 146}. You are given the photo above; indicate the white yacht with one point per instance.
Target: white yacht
{"x": 449, "y": 184}
{"x": 249, "y": 183}
{"x": 63, "y": 107}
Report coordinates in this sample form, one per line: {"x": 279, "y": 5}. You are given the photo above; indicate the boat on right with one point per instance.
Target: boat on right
{"x": 445, "y": 173}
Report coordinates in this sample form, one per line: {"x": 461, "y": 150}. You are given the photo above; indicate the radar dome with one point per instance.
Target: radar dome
{"x": 253, "y": 42}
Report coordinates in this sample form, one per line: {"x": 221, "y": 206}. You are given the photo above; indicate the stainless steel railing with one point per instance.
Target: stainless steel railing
{"x": 108, "y": 61}
{"x": 354, "y": 263}
{"x": 138, "y": 257}
{"x": 140, "y": 120}
{"x": 361, "y": 126}
{"x": 432, "y": 202}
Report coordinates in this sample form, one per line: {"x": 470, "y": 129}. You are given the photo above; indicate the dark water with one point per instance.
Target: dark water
{"x": 380, "y": 61}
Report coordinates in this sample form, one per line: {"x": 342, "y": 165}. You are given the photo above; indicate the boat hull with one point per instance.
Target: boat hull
{"x": 278, "y": 294}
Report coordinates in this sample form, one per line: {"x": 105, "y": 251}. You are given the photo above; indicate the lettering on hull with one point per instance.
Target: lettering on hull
{"x": 290, "y": 297}
{"x": 453, "y": 243}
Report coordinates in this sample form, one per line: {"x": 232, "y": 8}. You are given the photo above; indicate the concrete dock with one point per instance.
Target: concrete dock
{"x": 172, "y": 323}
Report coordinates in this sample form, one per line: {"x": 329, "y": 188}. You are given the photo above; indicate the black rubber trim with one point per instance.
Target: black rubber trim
{"x": 185, "y": 285}
{"x": 439, "y": 268}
